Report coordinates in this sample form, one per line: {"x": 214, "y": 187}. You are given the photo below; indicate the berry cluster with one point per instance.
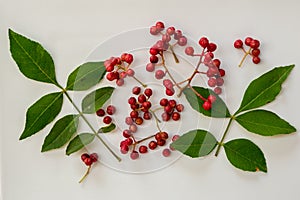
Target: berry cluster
{"x": 110, "y": 110}
{"x": 156, "y": 52}
{"x": 171, "y": 109}
{"x": 214, "y": 72}
{"x": 89, "y": 159}
{"x": 253, "y": 50}
{"x": 118, "y": 68}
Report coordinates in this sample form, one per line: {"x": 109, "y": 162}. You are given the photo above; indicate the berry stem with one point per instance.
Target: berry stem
{"x": 168, "y": 72}
{"x": 197, "y": 93}
{"x": 144, "y": 139}
{"x": 86, "y": 174}
{"x": 157, "y": 121}
{"x": 90, "y": 126}
{"x": 244, "y": 57}
{"x": 174, "y": 55}
{"x": 223, "y": 137}
{"x": 140, "y": 82}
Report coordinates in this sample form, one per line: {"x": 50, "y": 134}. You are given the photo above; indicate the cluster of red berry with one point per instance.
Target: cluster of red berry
{"x": 89, "y": 159}
{"x": 118, "y": 68}
{"x": 214, "y": 72}
{"x": 171, "y": 109}
{"x": 109, "y": 110}
{"x": 253, "y": 50}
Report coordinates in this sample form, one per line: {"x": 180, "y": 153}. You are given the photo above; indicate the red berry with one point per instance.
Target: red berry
{"x": 170, "y": 30}
{"x": 153, "y": 51}
{"x": 84, "y": 156}
{"x": 172, "y": 103}
{"x": 238, "y": 44}
{"x": 132, "y": 100}
{"x": 128, "y": 58}
{"x": 179, "y": 107}
{"x": 203, "y": 42}
{"x": 208, "y": 57}
{"x": 134, "y": 155}
{"x": 168, "y": 108}
{"x": 216, "y": 63}
{"x": 248, "y": 41}
{"x": 124, "y": 149}
{"x": 141, "y": 98}
{"x": 150, "y": 67}
{"x": 222, "y": 72}
{"x": 120, "y": 82}
{"x": 166, "y": 152}
{"x": 110, "y": 76}
{"x": 255, "y": 52}
{"x": 88, "y": 161}
{"x": 152, "y": 145}
{"x": 136, "y": 90}
{"x": 123, "y": 56}
{"x": 139, "y": 120}
{"x": 94, "y": 157}
{"x": 161, "y": 142}
{"x": 211, "y": 47}
{"x": 212, "y": 82}
{"x": 100, "y": 112}
{"x": 189, "y": 51}
{"x": 153, "y": 59}
{"x": 143, "y": 149}
{"x": 206, "y": 105}
{"x": 182, "y": 41}
{"x": 134, "y": 114}
{"x": 211, "y": 98}
{"x": 147, "y": 115}
{"x": 175, "y": 116}
{"x": 256, "y": 60}
{"x": 160, "y": 25}
{"x": 165, "y": 116}
{"x": 126, "y": 133}
{"x": 163, "y": 135}
{"x": 164, "y": 102}
{"x": 169, "y": 92}
{"x": 146, "y": 105}
{"x": 254, "y": 44}
{"x": 110, "y": 109}
{"x": 159, "y": 74}
{"x": 218, "y": 90}
{"x": 175, "y": 137}
{"x": 148, "y": 92}
{"x": 110, "y": 68}
{"x": 128, "y": 141}
{"x": 123, "y": 75}
{"x": 107, "y": 119}
{"x": 177, "y": 34}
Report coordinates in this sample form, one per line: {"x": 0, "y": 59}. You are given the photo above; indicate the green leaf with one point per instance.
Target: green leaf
{"x": 61, "y": 132}
{"x": 265, "y": 88}
{"x": 79, "y": 142}
{"x": 41, "y": 113}
{"x": 107, "y": 129}
{"x": 195, "y": 143}
{"x": 245, "y": 155}
{"x": 85, "y": 76}
{"x": 219, "y": 108}
{"x": 264, "y": 123}
{"x": 32, "y": 59}
{"x": 95, "y": 100}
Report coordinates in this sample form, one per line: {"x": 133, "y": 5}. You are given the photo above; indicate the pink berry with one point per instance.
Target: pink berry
{"x": 165, "y": 116}
{"x": 124, "y": 149}
{"x": 166, "y": 152}
{"x": 120, "y": 82}
{"x": 134, "y": 155}
{"x": 220, "y": 81}
{"x": 150, "y": 67}
{"x": 175, "y": 137}
{"x": 206, "y": 105}
{"x": 154, "y": 30}
{"x": 130, "y": 72}
{"x": 133, "y": 128}
{"x": 111, "y": 109}
{"x": 159, "y": 74}
{"x": 211, "y": 98}
{"x": 182, "y": 41}
{"x": 177, "y": 34}
{"x": 212, "y": 82}
{"x": 166, "y": 38}
{"x": 170, "y": 30}
{"x": 189, "y": 51}
{"x": 168, "y": 83}
{"x": 218, "y": 90}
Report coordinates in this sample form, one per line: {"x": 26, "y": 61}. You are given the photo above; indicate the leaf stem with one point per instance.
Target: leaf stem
{"x": 90, "y": 126}
{"x": 223, "y": 137}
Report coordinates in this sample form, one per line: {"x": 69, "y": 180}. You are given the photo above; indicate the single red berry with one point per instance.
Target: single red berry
{"x": 84, "y": 156}
{"x": 134, "y": 114}
{"x": 88, "y": 161}
{"x": 133, "y": 128}
{"x": 134, "y": 155}
{"x": 139, "y": 121}
{"x": 212, "y": 82}
{"x": 220, "y": 81}
{"x": 160, "y": 25}
{"x": 211, "y": 47}
{"x": 159, "y": 74}
{"x": 136, "y": 90}
{"x": 211, "y": 98}
{"x": 130, "y": 72}
{"x": 163, "y": 135}
{"x": 189, "y": 51}
{"x": 126, "y": 133}
{"x": 128, "y": 141}
{"x": 100, "y": 112}
{"x": 170, "y": 30}
{"x": 134, "y": 106}
{"x": 203, "y": 42}
{"x": 123, "y": 56}
{"x": 256, "y": 60}
{"x": 141, "y": 98}
{"x": 146, "y": 105}
{"x": 238, "y": 44}
{"x": 248, "y": 41}
{"x": 168, "y": 108}
{"x": 218, "y": 90}
{"x": 111, "y": 109}
{"x": 208, "y": 57}
{"x": 206, "y": 105}
{"x": 175, "y": 137}
{"x": 123, "y": 75}
{"x": 255, "y": 52}
{"x": 164, "y": 102}
{"x": 150, "y": 67}
{"x": 143, "y": 149}
{"x": 166, "y": 152}
{"x": 170, "y": 92}
{"x": 161, "y": 142}
{"x": 148, "y": 92}
{"x": 124, "y": 149}
{"x": 128, "y": 58}
{"x": 216, "y": 63}
{"x": 153, "y": 51}
{"x": 132, "y": 100}
{"x": 110, "y": 68}
{"x": 152, "y": 145}
{"x": 175, "y": 116}
{"x": 147, "y": 115}
{"x": 254, "y": 44}
{"x": 165, "y": 116}
{"x": 179, "y": 107}
{"x": 153, "y": 59}
{"x": 110, "y": 76}
{"x": 222, "y": 72}
{"x": 94, "y": 157}
{"x": 182, "y": 41}
{"x": 107, "y": 119}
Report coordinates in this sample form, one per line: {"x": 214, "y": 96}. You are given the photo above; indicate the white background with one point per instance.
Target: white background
{"x": 69, "y": 30}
